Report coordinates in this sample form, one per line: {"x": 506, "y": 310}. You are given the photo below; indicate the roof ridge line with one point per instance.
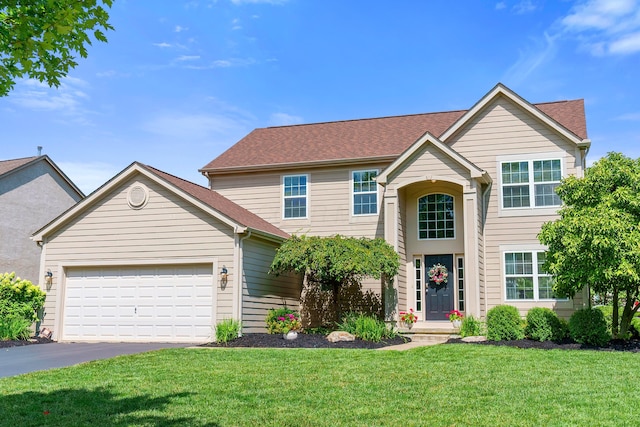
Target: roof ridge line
{"x": 363, "y": 119}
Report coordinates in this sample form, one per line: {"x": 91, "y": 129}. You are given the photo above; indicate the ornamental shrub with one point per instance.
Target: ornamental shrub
{"x": 607, "y": 312}
{"x": 543, "y": 324}
{"x": 14, "y": 328}
{"x": 227, "y": 330}
{"x": 283, "y": 320}
{"x": 588, "y": 326}
{"x": 471, "y": 327}
{"x": 504, "y": 323}
{"x": 19, "y": 297}
{"x": 367, "y": 328}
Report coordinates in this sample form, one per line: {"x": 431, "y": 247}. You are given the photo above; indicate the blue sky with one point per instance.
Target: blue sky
{"x": 181, "y": 81}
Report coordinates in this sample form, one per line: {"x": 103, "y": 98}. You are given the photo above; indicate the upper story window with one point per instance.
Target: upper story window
{"x": 295, "y": 195}
{"x": 524, "y": 277}
{"x": 365, "y": 192}
{"x": 530, "y": 183}
{"x": 436, "y": 217}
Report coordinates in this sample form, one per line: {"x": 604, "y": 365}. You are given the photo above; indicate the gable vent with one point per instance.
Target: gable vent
{"x": 137, "y": 196}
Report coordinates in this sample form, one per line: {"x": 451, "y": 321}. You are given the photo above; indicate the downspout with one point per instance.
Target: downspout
{"x": 238, "y": 279}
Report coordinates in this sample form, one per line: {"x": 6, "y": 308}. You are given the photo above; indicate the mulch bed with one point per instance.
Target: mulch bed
{"x": 303, "y": 341}
{"x": 18, "y": 343}
{"x": 320, "y": 341}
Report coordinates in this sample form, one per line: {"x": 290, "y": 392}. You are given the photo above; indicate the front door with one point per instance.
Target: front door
{"x": 439, "y": 296}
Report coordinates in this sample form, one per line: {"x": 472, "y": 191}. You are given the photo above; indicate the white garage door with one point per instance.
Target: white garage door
{"x": 139, "y": 304}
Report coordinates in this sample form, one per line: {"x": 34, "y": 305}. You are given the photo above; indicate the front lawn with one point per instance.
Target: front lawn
{"x": 445, "y": 385}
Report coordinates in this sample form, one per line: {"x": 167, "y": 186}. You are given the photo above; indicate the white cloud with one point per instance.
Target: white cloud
{"x": 635, "y": 117}
{"x": 274, "y": 2}
{"x": 193, "y": 127}
{"x": 35, "y": 95}
{"x": 524, "y": 6}
{"x": 605, "y": 27}
{"x": 530, "y": 60}
{"x": 187, "y": 58}
{"x": 626, "y": 45}
{"x": 179, "y": 29}
{"x": 162, "y": 45}
{"x": 224, "y": 63}
{"x": 284, "y": 119}
{"x": 88, "y": 176}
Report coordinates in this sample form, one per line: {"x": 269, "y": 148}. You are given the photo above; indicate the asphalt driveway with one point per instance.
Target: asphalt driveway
{"x": 38, "y": 357}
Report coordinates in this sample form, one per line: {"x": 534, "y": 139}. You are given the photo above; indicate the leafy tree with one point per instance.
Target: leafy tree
{"x": 596, "y": 240}
{"x": 40, "y": 38}
{"x": 336, "y": 261}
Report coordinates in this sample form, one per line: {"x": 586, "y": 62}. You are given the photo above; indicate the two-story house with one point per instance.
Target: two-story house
{"x": 468, "y": 190}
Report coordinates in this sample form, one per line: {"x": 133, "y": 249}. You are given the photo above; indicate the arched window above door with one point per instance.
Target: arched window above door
{"x": 436, "y": 217}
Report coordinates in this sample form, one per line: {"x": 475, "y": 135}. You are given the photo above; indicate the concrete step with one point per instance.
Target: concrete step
{"x": 434, "y": 332}
{"x": 427, "y": 338}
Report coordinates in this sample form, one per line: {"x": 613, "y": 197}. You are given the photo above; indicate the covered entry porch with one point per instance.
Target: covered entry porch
{"x": 433, "y": 215}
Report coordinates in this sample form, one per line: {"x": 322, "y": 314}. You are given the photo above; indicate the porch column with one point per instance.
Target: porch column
{"x": 390, "y": 293}
{"x": 471, "y": 250}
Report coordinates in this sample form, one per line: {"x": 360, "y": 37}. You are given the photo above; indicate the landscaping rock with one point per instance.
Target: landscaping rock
{"x": 337, "y": 336}
{"x": 478, "y": 338}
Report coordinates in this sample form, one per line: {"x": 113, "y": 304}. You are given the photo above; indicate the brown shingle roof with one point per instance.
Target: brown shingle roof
{"x": 220, "y": 203}
{"x": 9, "y": 165}
{"x": 360, "y": 139}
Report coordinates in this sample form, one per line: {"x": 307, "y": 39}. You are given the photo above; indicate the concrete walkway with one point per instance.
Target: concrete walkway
{"x": 38, "y": 357}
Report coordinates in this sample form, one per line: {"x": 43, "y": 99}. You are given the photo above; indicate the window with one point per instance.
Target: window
{"x": 523, "y": 189}
{"x": 418, "y": 269}
{"x": 524, "y": 277}
{"x": 436, "y": 217}
{"x": 460, "y": 268}
{"x": 295, "y": 196}
{"x": 365, "y": 192}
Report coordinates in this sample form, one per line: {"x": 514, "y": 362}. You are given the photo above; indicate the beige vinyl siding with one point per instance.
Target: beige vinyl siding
{"x": 167, "y": 229}
{"x": 503, "y": 129}
{"x": 427, "y": 163}
{"x": 328, "y": 200}
{"x": 262, "y": 291}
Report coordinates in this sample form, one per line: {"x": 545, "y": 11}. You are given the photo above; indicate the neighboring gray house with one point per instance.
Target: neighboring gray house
{"x": 33, "y": 191}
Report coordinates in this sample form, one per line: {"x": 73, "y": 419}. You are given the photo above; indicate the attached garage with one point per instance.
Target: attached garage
{"x": 151, "y": 257}
{"x": 140, "y": 303}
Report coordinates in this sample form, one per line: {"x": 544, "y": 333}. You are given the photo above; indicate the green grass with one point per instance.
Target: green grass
{"x": 445, "y": 385}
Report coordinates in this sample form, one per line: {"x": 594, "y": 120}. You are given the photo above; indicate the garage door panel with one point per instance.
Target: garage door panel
{"x": 149, "y": 303}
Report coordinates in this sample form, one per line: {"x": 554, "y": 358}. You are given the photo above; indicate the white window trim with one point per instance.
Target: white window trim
{"x": 534, "y": 249}
{"x": 305, "y": 196}
{"x": 353, "y": 193}
{"x": 530, "y": 158}
{"x": 455, "y": 232}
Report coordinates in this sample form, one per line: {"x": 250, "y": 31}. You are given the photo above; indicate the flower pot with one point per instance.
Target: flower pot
{"x": 291, "y": 335}
{"x": 409, "y": 325}
{"x": 457, "y": 323}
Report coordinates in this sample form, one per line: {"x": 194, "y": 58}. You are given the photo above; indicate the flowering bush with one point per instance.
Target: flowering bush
{"x": 19, "y": 297}
{"x": 408, "y": 317}
{"x": 454, "y": 315}
{"x": 283, "y": 320}
{"x": 439, "y": 274}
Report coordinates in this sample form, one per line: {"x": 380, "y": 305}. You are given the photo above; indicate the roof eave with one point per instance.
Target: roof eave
{"x": 297, "y": 165}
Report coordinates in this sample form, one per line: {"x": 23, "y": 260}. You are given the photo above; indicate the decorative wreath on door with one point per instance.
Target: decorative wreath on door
{"x": 439, "y": 274}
